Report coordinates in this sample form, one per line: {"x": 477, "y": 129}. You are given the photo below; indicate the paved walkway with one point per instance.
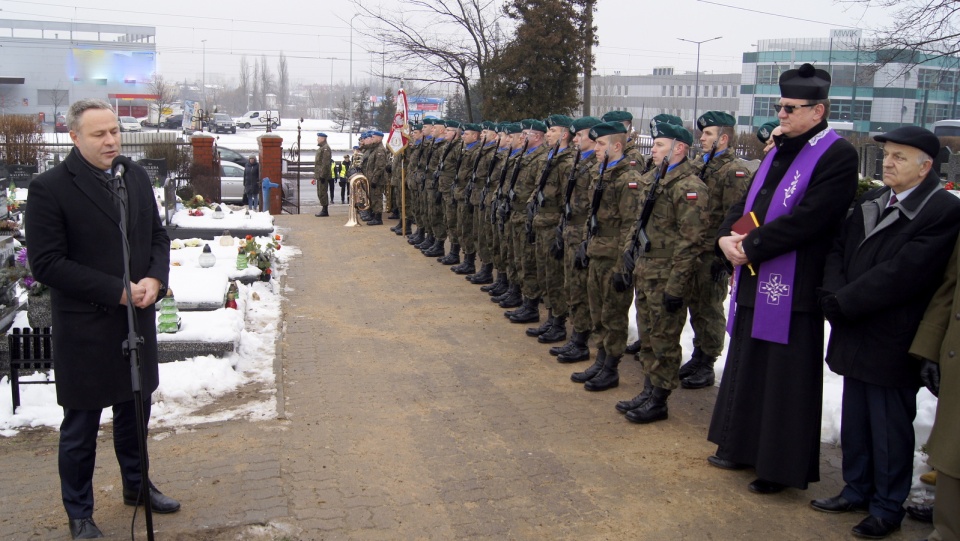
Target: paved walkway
{"x": 409, "y": 408}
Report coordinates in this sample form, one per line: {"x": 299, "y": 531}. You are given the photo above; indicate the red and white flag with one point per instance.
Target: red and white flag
{"x": 400, "y": 130}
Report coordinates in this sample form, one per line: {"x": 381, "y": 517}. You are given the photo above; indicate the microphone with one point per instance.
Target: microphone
{"x": 120, "y": 165}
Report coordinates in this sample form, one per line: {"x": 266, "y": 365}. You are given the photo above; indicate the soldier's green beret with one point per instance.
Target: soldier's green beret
{"x": 428, "y": 121}
{"x": 453, "y": 124}
{"x": 559, "y": 120}
{"x": 513, "y": 127}
{"x": 416, "y": 127}
{"x": 533, "y": 124}
{"x": 671, "y": 131}
{"x": 715, "y": 118}
{"x": 669, "y": 119}
{"x": 606, "y": 128}
{"x": 617, "y": 116}
{"x": 584, "y": 123}
{"x": 489, "y": 125}
{"x": 765, "y": 131}
{"x": 472, "y": 127}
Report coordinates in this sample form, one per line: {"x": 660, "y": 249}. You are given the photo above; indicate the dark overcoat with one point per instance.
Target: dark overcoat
{"x": 884, "y": 268}
{"x": 73, "y": 232}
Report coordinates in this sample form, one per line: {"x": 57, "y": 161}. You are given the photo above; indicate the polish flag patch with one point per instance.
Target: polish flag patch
{"x": 741, "y": 174}
{"x": 633, "y": 163}
{"x": 632, "y": 185}
{"x": 691, "y": 196}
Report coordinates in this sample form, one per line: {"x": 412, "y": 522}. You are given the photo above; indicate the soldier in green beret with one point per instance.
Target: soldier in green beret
{"x": 726, "y": 177}
{"x": 635, "y": 158}
{"x": 546, "y": 202}
{"x": 416, "y": 176}
{"x": 663, "y": 274}
{"x": 612, "y": 213}
{"x": 574, "y": 233}
{"x": 507, "y": 295}
{"x": 435, "y": 208}
{"x": 448, "y": 176}
{"x": 490, "y": 139}
{"x": 766, "y": 132}
{"x": 464, "y": 217}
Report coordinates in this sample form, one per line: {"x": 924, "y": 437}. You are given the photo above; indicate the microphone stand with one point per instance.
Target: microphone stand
{"x": 131, "y": 348}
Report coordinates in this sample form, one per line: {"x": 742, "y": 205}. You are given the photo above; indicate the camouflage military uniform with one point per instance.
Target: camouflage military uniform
{"x": 421, "y": 182}
{"x": 377, "y": 175}
{"x": 574, "y": 232}
{"x": 480, "y": 192}
{"x": 524, "y": 253}
{"x": 502, "y": 168}
{"x": 635, "y": 158}
{"x": 726, "y": 180}
{"x": 448, "y": 177}
{"x": 676, "y": 229}
{"x": 465, "y": 232}
{"x": 321, "y": 172}
{"x": 549, "y": 269}
{"x": 615, "y": 215}
{"x": 408, "y": 198}
{"x": 504, "y": 228}
{"x": 434, "y": 209}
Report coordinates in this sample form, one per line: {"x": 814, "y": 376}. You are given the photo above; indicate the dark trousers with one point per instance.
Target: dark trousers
{"x": 344, "y": 189}
{"x": 333, "y": 184}
{"x": 78, "y": 453}
{"x": 876, "y": 436}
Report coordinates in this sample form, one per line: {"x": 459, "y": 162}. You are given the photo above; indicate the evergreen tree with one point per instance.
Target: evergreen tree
{"x": 385, "y": 111}
{"x": 457, "y": 107}
{"x": 537, "y": 73}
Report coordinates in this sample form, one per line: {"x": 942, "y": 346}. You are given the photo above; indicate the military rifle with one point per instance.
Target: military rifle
{"x": 443, "y": 159}
{"x": 468, "y": 191}
{"x": 538, "y": 197}
{"x": 456, "y": 171}
{"x": 639, "y": 242}
{"x": 593, "y": 223}
{"x": 499, "y": 193}
{"x": 713, "y": 152}
{"x": 423, "y": 171}
{"x": 486, "y": 184}
{"x": 505, "y": 200}
{"x": 557, "y": 248}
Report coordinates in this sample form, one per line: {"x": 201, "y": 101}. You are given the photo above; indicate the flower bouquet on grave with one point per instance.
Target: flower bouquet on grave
{"x": 259, "y": 255}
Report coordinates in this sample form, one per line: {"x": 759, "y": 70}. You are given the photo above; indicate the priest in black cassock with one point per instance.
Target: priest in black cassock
{"x": 767, "y": 414}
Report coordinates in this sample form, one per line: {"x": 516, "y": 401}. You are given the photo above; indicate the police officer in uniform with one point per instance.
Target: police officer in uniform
{"x": 321, "y": 172}
{"x": 726, "y": 178}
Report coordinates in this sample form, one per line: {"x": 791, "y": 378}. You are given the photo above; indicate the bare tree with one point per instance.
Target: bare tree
{"x": 164, "y": 93}
{"x": 266, "y": 82}
{"x": 244, "y": 87}
{"x": 256, "y": 102}
{"x": 341, "y": 113}
{"x": 58, "y": 96}
{"x": 283, "y": 83}
{"x": 445, "y": 41}
{"x": 921, "y": 31}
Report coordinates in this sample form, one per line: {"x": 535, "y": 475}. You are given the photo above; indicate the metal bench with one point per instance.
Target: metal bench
{"x": 30, "y": 350}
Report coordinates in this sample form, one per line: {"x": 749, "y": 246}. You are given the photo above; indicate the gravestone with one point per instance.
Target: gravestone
{"x": 21, "y": 175}
{"x": 950, "y": 170}
{"x": 169, "y": 201}
{"x": 156, "y": 169}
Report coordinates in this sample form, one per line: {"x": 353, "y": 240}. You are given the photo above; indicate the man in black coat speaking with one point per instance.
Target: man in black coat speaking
{"x": 879, "y": 278}
{"x": 73, "y": 231}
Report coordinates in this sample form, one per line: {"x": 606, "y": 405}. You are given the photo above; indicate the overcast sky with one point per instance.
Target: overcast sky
{"x": 634, "y": 36}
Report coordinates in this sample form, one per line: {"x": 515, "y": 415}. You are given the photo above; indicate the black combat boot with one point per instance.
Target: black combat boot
{"x": 537, "y": 331}
{"x": 501, "y": 289}
{"x": 427, "y": 242}
{"x": 377, "y": 219}
{"x": 469, "y": 265}
{"x": 394, "y": 215}
{"x": 608, "y": 378}
{"x": 406, "y": 231}
{"x": 365, "y": 215}
{"x": 417, "y": 237}
{"x": 703, "y": 377}
{"x": 485, "y": 276}
{"x": 624, "y": 406}
{"x": 634, "y": 348}
{"x": 593, "y": 370}
{"x": 654, "y": 409}
{"x": 530, "y": 312}
{"x": 507, "y": 291}
{"x": 436, "y": 249}
{"x": 691, "y": 366}
{"x": 451, "y": 258}
{"x": 556, "y": 333}
{"x": 513, "y": 298}
{"x": 578, "y": 350}
{"x": 501, "y": 278}
{"x": 323, "y": 212}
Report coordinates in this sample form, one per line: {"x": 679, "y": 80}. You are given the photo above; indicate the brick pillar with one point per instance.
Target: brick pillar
{"x": 271, "y": 166}
{"x": 201, "y": 171}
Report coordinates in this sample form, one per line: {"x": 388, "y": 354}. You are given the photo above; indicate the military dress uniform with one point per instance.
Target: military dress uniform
{"x": 662, "y": 279}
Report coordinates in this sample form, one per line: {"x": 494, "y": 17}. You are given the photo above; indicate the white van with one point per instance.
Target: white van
{"x": 252, "y": 119}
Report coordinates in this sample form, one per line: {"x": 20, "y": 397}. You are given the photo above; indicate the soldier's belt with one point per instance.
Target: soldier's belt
{"x": 608, "y": 232}
{"x": 658, "y": 253}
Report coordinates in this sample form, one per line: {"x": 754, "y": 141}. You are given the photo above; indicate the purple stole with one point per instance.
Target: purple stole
{"x": 775, "y": 280}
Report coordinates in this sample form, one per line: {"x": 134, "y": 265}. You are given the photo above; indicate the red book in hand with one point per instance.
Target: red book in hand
{"x": 746, "y": 224}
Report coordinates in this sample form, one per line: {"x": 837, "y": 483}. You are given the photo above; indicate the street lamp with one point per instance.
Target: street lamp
{"x": 203, "y": 88}
{"x": 355, "y": 15}
{"x": 696, "y": 91}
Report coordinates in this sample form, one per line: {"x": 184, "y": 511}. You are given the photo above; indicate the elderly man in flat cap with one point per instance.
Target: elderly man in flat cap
{"x": 879, "y": 278}
{"x": 767, "y": 414}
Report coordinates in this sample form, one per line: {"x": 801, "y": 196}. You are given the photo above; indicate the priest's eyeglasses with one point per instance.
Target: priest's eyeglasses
{"x": 791, "y": 108}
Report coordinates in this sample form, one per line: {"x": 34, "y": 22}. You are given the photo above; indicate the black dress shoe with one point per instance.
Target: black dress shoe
{"x": 761, "y": 486}
{"x": 921, "y": 513}
{"x": 158, "y": 502}
{"x": 874, "y": 528}
{"x": 725, "y": 464}
{"x": 836, "y": 504}
{"x": 84, "y": 528}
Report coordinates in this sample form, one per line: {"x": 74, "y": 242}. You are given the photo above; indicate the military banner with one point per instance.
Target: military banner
{"x": 400, "y": 130}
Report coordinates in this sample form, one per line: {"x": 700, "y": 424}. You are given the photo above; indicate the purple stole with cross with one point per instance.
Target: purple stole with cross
{"x": 774, "y": 303}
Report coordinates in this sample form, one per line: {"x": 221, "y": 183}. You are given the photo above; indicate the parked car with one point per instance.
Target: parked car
{"x": 60, "y": 125}
{"x": 173, "y": 122}
{"x": 258, "y": 119}
{"x": 231, "y": 182}
{"x": 128, "y": 123}
{"x": 228, "y": 155}
{"x": 222, "y": 123}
